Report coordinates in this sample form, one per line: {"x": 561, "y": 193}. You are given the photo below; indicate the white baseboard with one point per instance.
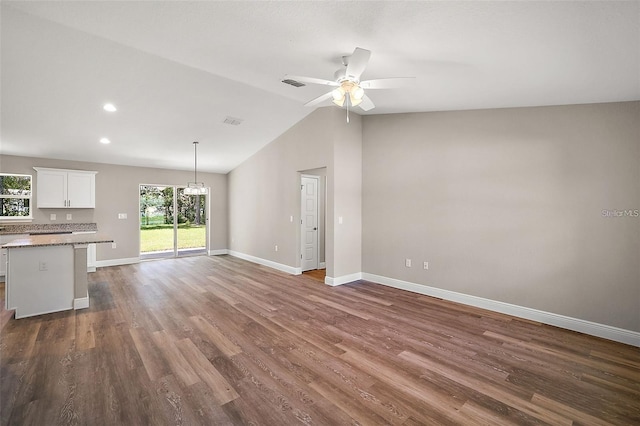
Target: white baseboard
{"x": 343, "y": 279}
{"x": 81, "y": 303}
{"x": 218, "y": 252}
{"x": 279, "y": 266}
{"x": 117, "y": 262}
{"x": 587, "y": 327}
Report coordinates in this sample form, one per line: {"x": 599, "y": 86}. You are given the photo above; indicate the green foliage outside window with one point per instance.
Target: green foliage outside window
{"x": 157, "y": 201}
{"x": 15, "y": 196}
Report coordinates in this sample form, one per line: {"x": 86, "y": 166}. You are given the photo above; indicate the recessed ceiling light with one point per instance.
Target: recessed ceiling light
{"x": 110, "y": 107}
{"x": 105, "y": 141}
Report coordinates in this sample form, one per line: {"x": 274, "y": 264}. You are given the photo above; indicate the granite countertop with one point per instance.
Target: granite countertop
{"x": 58, "y": 240}
{"x": 46, "y": 228}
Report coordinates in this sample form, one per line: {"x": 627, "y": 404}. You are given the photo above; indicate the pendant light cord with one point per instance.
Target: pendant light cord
{"x": 195, "y": 162}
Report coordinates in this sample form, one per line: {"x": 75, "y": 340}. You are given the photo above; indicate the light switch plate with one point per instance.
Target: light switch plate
{"x": 52, "y": 216}
{"x": 69, "y": 216}
{"x": 122, "y": 215}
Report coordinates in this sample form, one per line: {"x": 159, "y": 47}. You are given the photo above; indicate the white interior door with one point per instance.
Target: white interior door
{"x": 309, "y": 221}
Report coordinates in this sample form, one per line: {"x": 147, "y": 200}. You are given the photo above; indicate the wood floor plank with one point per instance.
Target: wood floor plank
{"x": 178, "y": 364}
{"x": 363, "y": 407}
{"x": 201, "y": 396}
{"x": 495, "y": 391}
{"x": 221, "y": 341}
{"x": 477, "y": 414}
{"x": 566, "y": 411}
{"x": 154, "y": 364}
{"x": 340, "y": 307}
{"x": 216, "y": 337}
{"x": 443, "y": 404}
{"x": 85, "y": 336}
{"x": 223, "y": 392}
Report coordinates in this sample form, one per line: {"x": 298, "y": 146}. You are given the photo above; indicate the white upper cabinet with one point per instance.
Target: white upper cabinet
{"x": 57, "y": 188}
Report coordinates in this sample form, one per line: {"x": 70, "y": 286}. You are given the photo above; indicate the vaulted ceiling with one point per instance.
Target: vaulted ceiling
{"x": 176, "y": 70}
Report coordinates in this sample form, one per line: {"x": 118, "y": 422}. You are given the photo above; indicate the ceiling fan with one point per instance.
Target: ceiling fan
{"x": 349, "y": 90}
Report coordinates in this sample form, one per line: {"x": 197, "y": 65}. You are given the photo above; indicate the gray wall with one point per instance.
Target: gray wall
{"x": 264, "y": 193}
{"x": 117, "y": 191}
{"x": 507, "y": 205}
{"x": 503, "y": 204}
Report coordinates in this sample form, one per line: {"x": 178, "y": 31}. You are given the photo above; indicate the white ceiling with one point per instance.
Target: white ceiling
{"x": 175, "y": 70}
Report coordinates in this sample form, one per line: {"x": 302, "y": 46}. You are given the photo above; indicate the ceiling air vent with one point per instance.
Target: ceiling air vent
{"x": 233, "y": 121}
{"x": 293, "y": 83}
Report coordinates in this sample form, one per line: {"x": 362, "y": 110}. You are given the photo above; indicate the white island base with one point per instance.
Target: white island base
{"x": 44, "y": 279}
{"x": 48, "y": 273}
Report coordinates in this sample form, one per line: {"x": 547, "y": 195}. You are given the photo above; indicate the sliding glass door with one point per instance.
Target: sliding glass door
{"x": 191, "y": 236}
{"x": 172, "y": 223}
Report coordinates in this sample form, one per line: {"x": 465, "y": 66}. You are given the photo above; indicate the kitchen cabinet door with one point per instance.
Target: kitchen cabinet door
{"x": 81, "y": 190}
{"x": 51, "y": 188}
{"x": 57, "y": 188}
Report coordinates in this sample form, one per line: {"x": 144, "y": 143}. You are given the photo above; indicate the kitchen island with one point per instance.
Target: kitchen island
{"x": 48, "y": 273}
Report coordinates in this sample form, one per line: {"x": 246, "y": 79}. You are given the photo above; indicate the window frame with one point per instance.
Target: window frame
{"x": 22, "y": 197}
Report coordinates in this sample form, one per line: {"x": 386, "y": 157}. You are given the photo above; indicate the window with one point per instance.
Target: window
{"x": 15, "y": 196}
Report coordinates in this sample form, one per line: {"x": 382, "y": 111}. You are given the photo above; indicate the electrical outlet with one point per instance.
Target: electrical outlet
{"x": 122, "y": 215}
{"x": 43, "y": 266}
{"x": 426, "y": 265}
{"x": 52, "y": 216}
{"x": 407, "y": 263}
{"x": 113, "y": 245}
{"x": 69, "y": 216}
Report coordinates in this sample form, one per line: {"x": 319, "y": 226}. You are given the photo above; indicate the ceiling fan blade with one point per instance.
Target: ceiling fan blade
{"x": 388, "y": 83}
{"x": 319, "y": 99}
{"x": 357, "y": 63}
{"x": 366, "y": 103}
{"x": 311, "y": 80}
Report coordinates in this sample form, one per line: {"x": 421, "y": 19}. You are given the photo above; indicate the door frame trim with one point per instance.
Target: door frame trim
{"x": 320, "y": 227}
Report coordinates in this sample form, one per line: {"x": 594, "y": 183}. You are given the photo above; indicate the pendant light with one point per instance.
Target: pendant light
{"x": 195, "y": 187}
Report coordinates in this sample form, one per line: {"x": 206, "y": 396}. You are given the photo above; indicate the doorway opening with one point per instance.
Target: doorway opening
{"x": 172, "y": 223}
{"x": 312, "y": 220}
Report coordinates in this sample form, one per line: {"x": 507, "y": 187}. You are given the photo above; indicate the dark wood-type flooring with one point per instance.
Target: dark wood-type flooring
{"x": 218, "y": 341}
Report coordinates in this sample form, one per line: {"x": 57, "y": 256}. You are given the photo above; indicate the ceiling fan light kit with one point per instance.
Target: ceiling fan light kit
{"x": 355, "y": 92}
{"x": 349, "y": 90}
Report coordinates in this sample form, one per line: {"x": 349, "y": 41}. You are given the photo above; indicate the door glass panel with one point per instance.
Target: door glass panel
{"x": 192, "y": 229}
{"x": 172, "y": 223}
{"x": 156, "y": 221}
